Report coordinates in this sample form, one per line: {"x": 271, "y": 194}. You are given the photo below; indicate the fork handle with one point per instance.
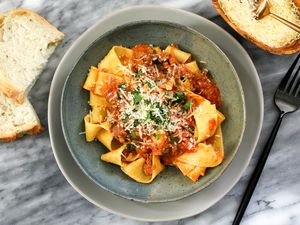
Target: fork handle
{"x": 257, "y": 172}
{"x": 286, "y": 22}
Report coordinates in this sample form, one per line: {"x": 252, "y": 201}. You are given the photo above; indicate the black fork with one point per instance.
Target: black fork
{"x": 287, "y": 100}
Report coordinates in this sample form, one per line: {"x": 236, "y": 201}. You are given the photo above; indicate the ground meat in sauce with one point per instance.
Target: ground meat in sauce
{"x": 208, "y": 89}
{"x": 147, "y": 63}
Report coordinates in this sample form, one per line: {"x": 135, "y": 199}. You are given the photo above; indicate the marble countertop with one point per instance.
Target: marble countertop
{"x": 34, "y": 191}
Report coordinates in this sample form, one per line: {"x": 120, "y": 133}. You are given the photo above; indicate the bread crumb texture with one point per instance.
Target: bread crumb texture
{"x": 26, "y": 43}
{"x": 16, "y": 119}
{"x": 266, "y": 30}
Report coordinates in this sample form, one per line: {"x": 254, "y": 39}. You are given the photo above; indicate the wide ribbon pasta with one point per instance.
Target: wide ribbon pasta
{"x": 178, "y": 55}
{"x": 194, "y": 164}
{"x": 135, "y": 169}
{"x": 116, "y": 59}
{"x": 122, "y": 116}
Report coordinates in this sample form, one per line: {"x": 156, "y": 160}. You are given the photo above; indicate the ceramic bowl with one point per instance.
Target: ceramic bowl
{"x": 170, "y": 185}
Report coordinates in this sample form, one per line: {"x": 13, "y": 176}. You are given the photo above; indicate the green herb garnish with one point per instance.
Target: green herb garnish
{"x": 138, "y": 74}
{"x": 158, "y": 136}
{"x": 148, "y": 115}
{"x": 136, "y": 123}
{"x": 149, "y": 84}
{"x": 130, "y": 146}
{"x": 179, "y": 96}
{"x": 154, "y": 118}
{"x": 136, "y": 91}
{"x": 187, "y": 105}
{"x": 137, "y": 98}
{"x": 133, "y": 135}
{"x": 125, "y": 117}
{"x": 175, "y": 139}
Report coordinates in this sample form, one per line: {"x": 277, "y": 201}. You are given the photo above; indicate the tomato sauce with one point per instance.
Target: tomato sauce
{"x": 157, "y": 126}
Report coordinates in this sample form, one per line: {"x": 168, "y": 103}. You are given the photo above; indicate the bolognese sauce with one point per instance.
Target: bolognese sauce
{"x": 150, "y": 109}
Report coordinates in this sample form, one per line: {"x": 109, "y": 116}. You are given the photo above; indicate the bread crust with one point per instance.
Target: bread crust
{"x": 8, "y": 89}
{"x": 287, "y": 49}
{"x": 16, "y": 12}
{"x": 30, "y": 130}
{"x": 11, "y": 92}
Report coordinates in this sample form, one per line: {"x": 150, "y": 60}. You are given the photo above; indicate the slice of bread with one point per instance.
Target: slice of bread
{"x": 267, "y": 33}
{"x": 17, "y": 119}
{"x": 26, "y": 42}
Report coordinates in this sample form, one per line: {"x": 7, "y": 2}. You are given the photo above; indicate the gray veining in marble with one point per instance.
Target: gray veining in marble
{"x": 33, "y": 190}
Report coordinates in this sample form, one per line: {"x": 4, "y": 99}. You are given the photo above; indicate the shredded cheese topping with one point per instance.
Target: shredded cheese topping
{"x": 153, "y": 110}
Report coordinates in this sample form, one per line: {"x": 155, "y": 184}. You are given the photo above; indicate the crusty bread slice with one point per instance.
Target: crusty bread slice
{"x": 17, "y": 119}
{"x": 26, "y": 42}
{"x": 267, "y": 33}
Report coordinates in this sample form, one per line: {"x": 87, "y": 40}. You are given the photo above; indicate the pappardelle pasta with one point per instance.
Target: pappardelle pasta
{"x": 152, "y": 108}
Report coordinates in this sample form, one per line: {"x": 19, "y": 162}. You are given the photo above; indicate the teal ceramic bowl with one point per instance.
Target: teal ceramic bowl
{"x": 170, "y": 185}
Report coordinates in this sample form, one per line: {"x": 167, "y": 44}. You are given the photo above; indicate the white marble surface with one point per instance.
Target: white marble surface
{"x": 34, "y": 191}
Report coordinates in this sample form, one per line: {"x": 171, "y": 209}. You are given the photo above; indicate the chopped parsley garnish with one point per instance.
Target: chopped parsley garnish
{"x": 175, "y": 139}
{"x": 125, "y": 118}
{"x": 148, "y": 115}
{"x": 149, "y": 84}
{"x": 187, "y": 105}
{"x": 179, "y": 96}
{"x": 136, "y": 91}
{"x": 137, "y": 98}
{"x": 138, "y": 74}
{"x": 133, "y": 135}
{"x": 136, "y": 123}
{"x": 156, "y": 118}
{"x": 130, "y": 147}
{"x": 146, "y": 111}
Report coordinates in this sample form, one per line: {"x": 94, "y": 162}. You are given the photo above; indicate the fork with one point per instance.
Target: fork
{"x": 287, "y": 100}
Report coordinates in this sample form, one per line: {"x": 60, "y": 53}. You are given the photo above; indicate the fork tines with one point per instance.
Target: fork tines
{"x": 291, "y": 81}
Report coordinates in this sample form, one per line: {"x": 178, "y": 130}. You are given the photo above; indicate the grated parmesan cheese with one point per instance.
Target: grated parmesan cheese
{"x": 152, "y": 99}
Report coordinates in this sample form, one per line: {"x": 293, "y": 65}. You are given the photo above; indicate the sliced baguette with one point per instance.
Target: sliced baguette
{"x": 290, "y": 46}
{"x": 17, "y": 119}
{"x": 26, "y": 42}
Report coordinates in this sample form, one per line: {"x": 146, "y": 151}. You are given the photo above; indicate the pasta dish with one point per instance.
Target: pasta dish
{"x": 153, "y": 108}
